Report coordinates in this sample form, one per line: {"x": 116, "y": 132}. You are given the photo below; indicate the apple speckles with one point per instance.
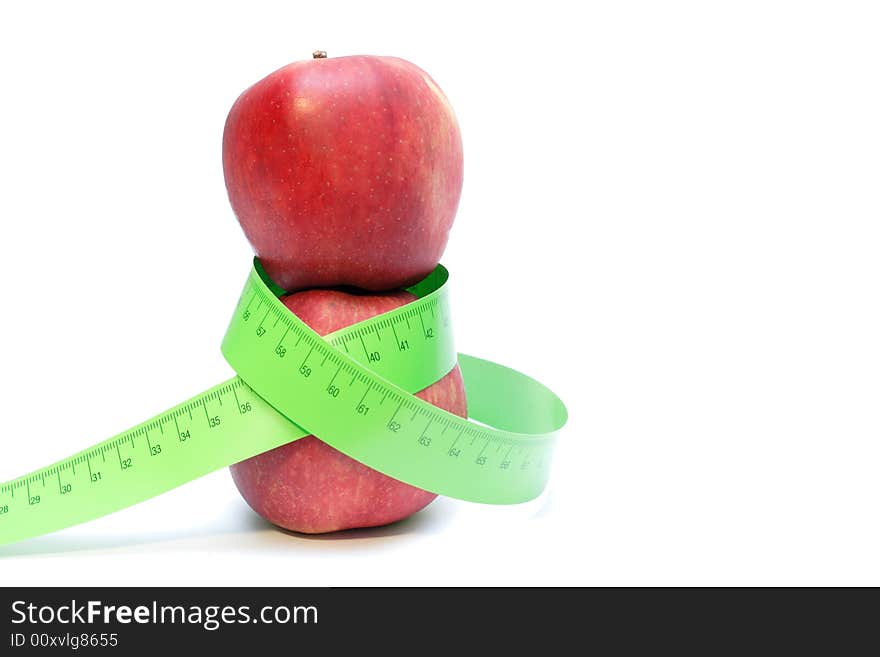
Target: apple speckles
{"x": 378, "y": 138}
{"x": 307, "y": 486}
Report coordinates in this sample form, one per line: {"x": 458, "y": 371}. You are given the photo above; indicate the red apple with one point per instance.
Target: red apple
{"x": 344, "y": 171}
{"x": 307, "y": 486}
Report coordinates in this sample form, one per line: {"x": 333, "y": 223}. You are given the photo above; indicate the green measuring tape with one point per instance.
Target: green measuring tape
{"x": 352, "y": 389}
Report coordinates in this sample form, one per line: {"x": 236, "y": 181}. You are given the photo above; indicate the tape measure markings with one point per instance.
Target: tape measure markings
{"x": 301, "y": 374}
{"x": 319, "y": 414}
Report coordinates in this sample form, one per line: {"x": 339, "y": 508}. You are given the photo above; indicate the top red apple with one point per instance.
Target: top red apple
{"x": 344, "y": 171}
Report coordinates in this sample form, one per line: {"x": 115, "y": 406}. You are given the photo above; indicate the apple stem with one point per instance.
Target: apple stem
{"x": 319, "y": 54}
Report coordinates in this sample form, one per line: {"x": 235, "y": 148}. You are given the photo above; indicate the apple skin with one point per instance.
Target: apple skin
{"x": 344, "y": 171}
{"x": 309, "y": 487}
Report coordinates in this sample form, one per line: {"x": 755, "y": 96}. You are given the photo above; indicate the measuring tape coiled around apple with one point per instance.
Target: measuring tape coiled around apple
{"x": 351, "y": 388}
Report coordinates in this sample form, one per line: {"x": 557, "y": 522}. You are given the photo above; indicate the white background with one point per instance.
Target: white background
{"x": 679, "y": 201}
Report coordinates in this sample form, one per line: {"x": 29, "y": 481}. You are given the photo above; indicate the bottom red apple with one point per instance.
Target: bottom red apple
{"x": 307, "y": 486}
